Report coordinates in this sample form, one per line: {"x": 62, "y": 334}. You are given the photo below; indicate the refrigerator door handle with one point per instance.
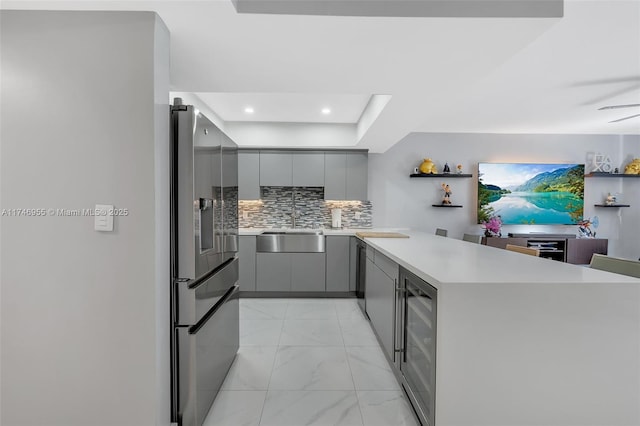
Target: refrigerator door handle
{"x": 203, "y": 321}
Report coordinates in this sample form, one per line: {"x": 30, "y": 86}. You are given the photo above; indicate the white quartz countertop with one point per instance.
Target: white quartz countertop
{"x": 442, "y": 260}
{"x": 325, "y": 231}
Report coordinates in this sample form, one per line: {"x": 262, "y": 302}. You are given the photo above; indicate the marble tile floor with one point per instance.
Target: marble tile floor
{"x": 308, "y": 362}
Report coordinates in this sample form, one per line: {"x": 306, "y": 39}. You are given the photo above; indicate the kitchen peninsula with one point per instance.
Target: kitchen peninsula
{"x": 523, "y": 340}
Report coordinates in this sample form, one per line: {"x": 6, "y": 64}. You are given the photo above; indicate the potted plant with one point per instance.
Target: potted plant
{"x": 492, "y": 227}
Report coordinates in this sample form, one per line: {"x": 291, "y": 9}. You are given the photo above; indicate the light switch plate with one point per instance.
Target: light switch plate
{"x": 103, "y": 219}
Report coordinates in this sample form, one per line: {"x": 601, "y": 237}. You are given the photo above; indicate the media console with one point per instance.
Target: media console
{"x": 561, "y": 247}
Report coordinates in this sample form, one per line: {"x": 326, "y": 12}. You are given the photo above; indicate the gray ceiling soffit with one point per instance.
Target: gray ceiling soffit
{"x": 407, "y": 8}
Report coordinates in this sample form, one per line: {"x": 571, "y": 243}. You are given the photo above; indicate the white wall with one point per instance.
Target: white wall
{"x": 401, "y": 201}
{"x": 631, "y": 195}
{"x": 84, "y": 314}
{"x": 316, "y": 135}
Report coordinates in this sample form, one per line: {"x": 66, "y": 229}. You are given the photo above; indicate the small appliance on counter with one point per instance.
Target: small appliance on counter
{"x": 336, "y": 218}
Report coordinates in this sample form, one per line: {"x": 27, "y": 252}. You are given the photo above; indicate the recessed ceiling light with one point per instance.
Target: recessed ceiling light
{"x": 248, "y": 110}
{"x": 326, "y": 111}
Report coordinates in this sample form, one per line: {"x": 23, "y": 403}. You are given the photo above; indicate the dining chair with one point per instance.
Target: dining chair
{"x": 616, "y": 265}
{"x": 441, "y": 232}
{"x": 472, "y": 238}
{"x": 524, "y": 250}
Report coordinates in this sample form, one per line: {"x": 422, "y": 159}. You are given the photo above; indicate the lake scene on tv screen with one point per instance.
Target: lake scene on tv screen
{"x": 531, "y": 194}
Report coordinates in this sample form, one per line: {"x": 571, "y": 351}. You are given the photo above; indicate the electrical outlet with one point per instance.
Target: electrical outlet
{"x": 358, "y": 215}
{"x": 245, "y": 214}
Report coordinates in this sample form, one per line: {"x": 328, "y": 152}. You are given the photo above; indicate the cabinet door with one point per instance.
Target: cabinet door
{"x": 248, "y": 175}
{"x": 353, "y": 259}
{"x": 502, "y": 242}
{"x": 579, "y": 251}
{"x": 357, "y": 176}
{"x": 338, "y": 255}
{"x": 275, "y": 168}
{"x": 307, "y": 271}
{"x": 308, "y": 169}
{"x": 273, "y": 271}
{"x": 380, "y": 303}
{"x": 247, "y": 259}
{"x": 335, "y": 175}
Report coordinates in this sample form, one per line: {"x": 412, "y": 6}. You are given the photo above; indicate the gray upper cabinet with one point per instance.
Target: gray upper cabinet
{"x": 357, "y": 175}
{"x": 276, "y": 168}
{"x": 335, "y": 175}
{"x": 337, "y": 249}
{"x": 248, "y": 175}
{"x": 308, "y": 169}
{"x": 345, "y": 175}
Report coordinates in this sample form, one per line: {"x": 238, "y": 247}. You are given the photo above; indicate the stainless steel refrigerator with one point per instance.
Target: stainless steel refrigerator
{"x": 204, "y": 265}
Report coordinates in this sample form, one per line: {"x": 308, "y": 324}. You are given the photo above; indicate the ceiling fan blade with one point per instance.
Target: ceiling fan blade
{"x": 618, "y": 106}
{"x": 625, "y": 118}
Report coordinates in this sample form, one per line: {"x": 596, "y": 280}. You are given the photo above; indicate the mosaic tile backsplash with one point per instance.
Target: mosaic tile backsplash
{"x": 274, "y": 209}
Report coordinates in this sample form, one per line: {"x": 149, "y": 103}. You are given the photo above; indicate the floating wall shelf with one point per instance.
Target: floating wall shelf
{"x": 440, "y": 175}
{"x": 446, "y": 205}
{"x": 610, "y": 175}
{"x": 612, "y": 205}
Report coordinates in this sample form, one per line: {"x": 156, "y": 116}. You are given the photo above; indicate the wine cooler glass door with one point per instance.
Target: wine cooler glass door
{"x": 418, "y": 360}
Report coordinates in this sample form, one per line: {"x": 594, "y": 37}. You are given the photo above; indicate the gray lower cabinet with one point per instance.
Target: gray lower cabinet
{"x": 380, "y": 302}
{"x": 290, "y": 271}
{"x": 353, "y": 259}
{"x": 276, "y": 168}
{"x": 338, "y": 255}
{"x": 248, "y": 175}
{"x": 273, "y": 271}
{"x": 307, "y": 271}
{"x": 247, "y": 258}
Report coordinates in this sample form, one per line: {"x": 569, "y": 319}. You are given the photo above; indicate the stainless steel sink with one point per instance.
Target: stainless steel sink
{"x": 297, "y": 232}
{"x": 294, "y": 241}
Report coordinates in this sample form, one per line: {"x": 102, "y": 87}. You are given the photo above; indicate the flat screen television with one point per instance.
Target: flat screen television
{"x": 531, "y": 194}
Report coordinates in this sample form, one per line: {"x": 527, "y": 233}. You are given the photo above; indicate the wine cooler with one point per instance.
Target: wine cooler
{"x": 415, "y": 345}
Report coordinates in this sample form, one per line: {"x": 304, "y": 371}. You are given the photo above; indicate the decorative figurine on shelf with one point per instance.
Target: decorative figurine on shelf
{"x": 446, "y": 199}
{"x": 446, "y": 170}
{"x": 616, "y": 171}
{"x": 633, "y": 168}
{"x": 428, "y": 167}
{"x": 459, "y": 169}
{"x": 601, "y": 163}
{"x": 610, "y": 200}
{"x": 493, "y": 227}
{"x": 584, "y": 227}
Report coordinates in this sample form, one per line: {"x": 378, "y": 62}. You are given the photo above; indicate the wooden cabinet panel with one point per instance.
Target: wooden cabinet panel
{"x": 571, "y": 250}
{"x": 580, "y": 250}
